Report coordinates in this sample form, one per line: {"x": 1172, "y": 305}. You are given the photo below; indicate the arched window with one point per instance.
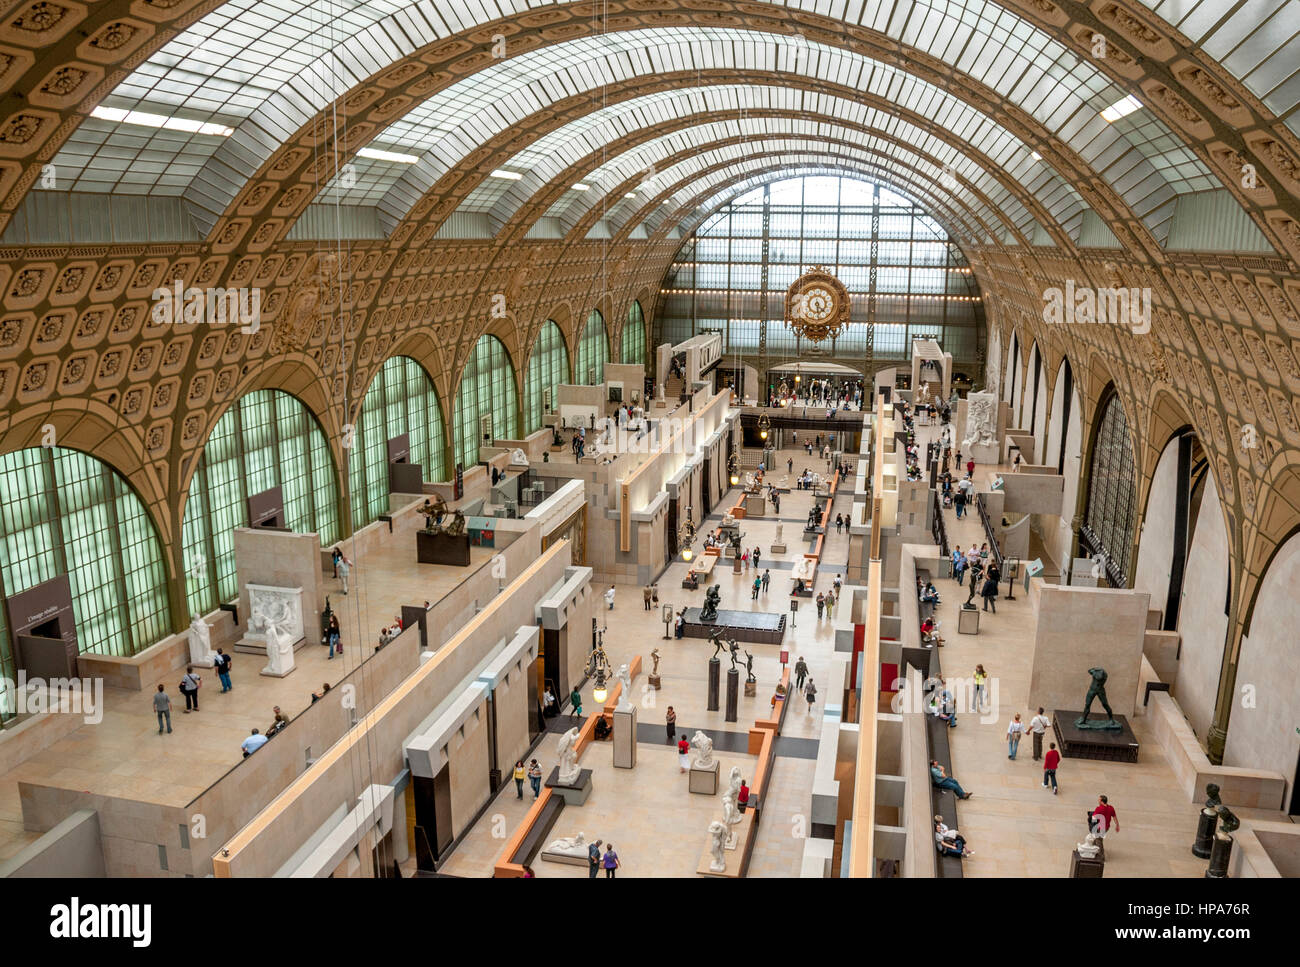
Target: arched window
{"x": 267, "y": 439}
{"x": 593, "y": 352}
{"x": 401, "y": 399}
{"x": 1112, "y": 493}
{"x": 65, "y": 512}
{"x": 487, "y": 405}
{"x": 548, "y": 367}
{"x": 633, "y": 348}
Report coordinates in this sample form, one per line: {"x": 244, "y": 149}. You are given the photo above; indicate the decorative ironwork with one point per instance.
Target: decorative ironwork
{"x": 817, "y": 306}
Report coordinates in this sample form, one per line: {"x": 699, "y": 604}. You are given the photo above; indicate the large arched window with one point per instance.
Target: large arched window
{"x": 401, "y": 399}
{"x": 1112, "y": 492}
{"x": 633, "y": 347}
{"x": 593, "y": 352}
{"x": 267, "y": 439}
{"x": 548, "y": 367}
{"x": 487, "y": 396}
{"x": 66, "y": 512}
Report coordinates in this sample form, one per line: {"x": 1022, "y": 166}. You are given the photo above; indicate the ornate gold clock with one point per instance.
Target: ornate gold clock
{"x": 817, "y": 305}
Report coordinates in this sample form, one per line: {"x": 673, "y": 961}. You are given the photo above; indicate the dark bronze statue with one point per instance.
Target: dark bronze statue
{"x": 1212, "y": 800}
{"x": 709, "y": 613}
{"x": 1228, "y": 821}
{"x": 715, "y": 639}
{"x": 457, "y": 525}
{"x": 1097, "y": 690}
{"x": 749, "y": 667}
{"x": 733, "y": 647}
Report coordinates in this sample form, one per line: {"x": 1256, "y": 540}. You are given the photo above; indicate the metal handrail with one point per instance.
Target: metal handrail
{"x": 988, "y": 532}
{"x": 939, "y": 529}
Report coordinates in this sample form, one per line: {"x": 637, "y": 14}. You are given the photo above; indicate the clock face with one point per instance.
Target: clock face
{"x": 818, "y": 303}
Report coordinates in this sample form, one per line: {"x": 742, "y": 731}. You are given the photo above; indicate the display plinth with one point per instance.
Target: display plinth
{"x": 1087, "y": 867}
{"x": 715, "y": 667}
{"x": 653, "y": 680}
{"x": 751, "y": 689}
{"x": 575, "y": 794}
{"x": 968, "y": 621}
{"x": 757, "y": 627}
{"x": 625, "y": 738}
{"x": 733, "y": 693}
{"x": 777, "y": 548}
{"x": 442, "y": 549}
{"x": 1205, "y": 830}
{"x": 1119, "y": 745}
{"x": 755, "y": 507}
{"x": 704, "y": 780}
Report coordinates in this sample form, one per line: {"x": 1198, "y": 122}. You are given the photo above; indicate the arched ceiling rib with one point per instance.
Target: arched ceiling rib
{"x": 1141, "y": 158}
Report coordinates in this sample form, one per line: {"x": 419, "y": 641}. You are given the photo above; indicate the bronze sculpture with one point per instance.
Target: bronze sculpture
{"x": 457, "y": 525}
{"x": 1097, "y": 690}
{"x": 715, "y": 639}
{"x": 749, "y": 667}
{"x": 733, "y": 647}
{"x": 709, "y": 612}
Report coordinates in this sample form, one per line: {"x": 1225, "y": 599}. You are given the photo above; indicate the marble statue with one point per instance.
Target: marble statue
{"x": 779, "y": 528}
{"x": 518, "y": 458}
{"x": 654, "y": 657}
{"x": 981, "y": 420}
{"x": 749, "y": 668}
{"x": 567, "y": 755}
{"x": 200, "y": 642}
{"x": 730, "y": 811}
{"x": 1089, "y": 848}
{"x": 728, "y": 521}
{"x": 751, "y": 484}
{"x": 703, "y": 747}
{"x": 712, "y": 597}
{"x": 624, "y": 675}
{"x": 569, "y": 846}
{"x": 273, "y": 623}
{"x": 1097, "y": 690}
{"x": 717, "y": 846}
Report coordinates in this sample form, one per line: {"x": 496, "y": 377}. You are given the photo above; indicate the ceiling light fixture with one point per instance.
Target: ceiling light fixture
{"x": 381, "y": 155}
{"x": 1121, "y": 108}
{"x": 581, "y": 187}
{"x": 147, "y": 120}
{"x": 507, "y": 175}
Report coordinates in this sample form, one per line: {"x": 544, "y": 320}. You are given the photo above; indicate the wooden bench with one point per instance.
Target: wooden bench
{"x": 534, "y": 837}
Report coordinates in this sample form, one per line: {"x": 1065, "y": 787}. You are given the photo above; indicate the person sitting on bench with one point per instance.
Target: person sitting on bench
{"x": 950, "y": 842}
{"x": 943, "y": 781}
{"x": 603, "y": 730}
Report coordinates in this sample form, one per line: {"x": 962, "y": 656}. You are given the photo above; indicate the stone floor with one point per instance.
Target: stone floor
{"x": 123, "y": 755}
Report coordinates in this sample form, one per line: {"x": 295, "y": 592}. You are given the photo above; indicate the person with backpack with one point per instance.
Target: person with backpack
{"x": 758, "y": 586}
{"x": 222, "y": 663}
{"x": 190, "y": 689}
{"x": 810, "y": 693}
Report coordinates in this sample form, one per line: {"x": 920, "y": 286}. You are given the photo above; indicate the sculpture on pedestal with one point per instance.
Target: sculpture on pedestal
{"x": 1088, "y": 849}
{"x": 1097, "y": 690}
{"x": 779, "y": 528}
{"x": 1212, "y": 800}
{"x": 457, "y": 525}
{"x": 717, "y": 846}
{"x": 1228, "y": 821}
{"x": 570, "y": 845}
{"x": 733, "y": 646}
{"x": 981, "y": 420}
{"x": 749, "y": 668}
{"x": 567, "y": 755}
{"x": 703, "y": 747}
{"x": 731, "y": 811}
{"x": 712, "y": 597}
{"x": 200, "y": 642}
{"x": 624, "y": 676}
{"x": 433, "y": 510}
{"x": 654, "y": 657}
{"x": 273, "y": 616}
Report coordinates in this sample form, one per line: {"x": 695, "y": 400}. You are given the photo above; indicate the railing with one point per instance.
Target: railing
{"x": 938, "y": 528}
{"x": 988, "y": 532}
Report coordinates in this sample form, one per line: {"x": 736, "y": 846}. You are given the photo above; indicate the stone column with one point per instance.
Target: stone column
{"x": 715, "y": 667}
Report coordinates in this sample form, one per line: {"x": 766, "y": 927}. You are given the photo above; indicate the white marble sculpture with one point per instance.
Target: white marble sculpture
{"x": 200, "y": 643}
{"x": 981, "y": 420}
{"x": 993, "y": 362}
{"x": 728, "y": 521}
{"x": 567, "y": 754}
{"x": 518, "y": 458}
{"x": 624, "y": 675}
{"x": 717, "y": 846}
{"x": 703, "y": 747}
{"x": 569, "y": 846}
{"x": 730, "y": 811}
{"x": 272, "y": 621}
{"x": 1088, "y": 849}
{"x": 779, "y": 529}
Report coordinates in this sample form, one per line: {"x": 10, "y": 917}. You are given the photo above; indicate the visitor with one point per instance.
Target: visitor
{"x": 679, "y": 624}
{"x": 970, "y": 467}
{"x": 789, "y": 465}
{"x": 742, "y": 797}
{"x": 984, "y": 551}
{"x": 520, "y": 775}
{"x": 190, "y": 683}
{"x": 609, "y": 597}
{"x": 758, "y": 586}
{"x": 646, "y": 594}
{"x": 334, "y": 634}
{"x": 535, "y": 777}
{"x": 821, "y": 604}
{"x": 1037, "y": 728}
{"x": 610, "y": 862}
{"x": 990, "y": 593}
{"x": 950, "y": 842}
{"x": 830, "y": 605}
{"x": 838, "y": 583}
{"x": 549, "y": 707}
{"x": 222, "y": 664}
{"x": 941, "y": 780}
{"x": 576, "y": 701}
{"x": 1050, "y": 763}
{"x": 1104, "y": 820}
{"x": 744, "y": 557}
{"x": 251, "y": 744}
{"x": 278, "y": 721}
{"x": 981, "y": 689}
{"x": 593, "y": 859}
{"x": 766, "y": 579}
{"x": 162, "y": 705}
{"x": 800, "y": 673}
{"x": 1014, "y": 733}
{"x": 336, "y": 555}
{"x": 317, "y": 696}
{"x": 670, "y": 720}
{"x": 959, "y": 502}
{"x": 1015, "y": 466}
{"x": 756, "y": 556}
{"x": 683, "y": 753}
{"x": 839, "y": 523}
{"x": 810, "y": 694}
{"x": 343, "y": 567}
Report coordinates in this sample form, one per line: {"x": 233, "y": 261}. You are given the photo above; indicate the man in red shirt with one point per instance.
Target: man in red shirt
{"x": 1050, "y": 762}
{"x": 970, "y": 468}
{"x": 1104, "y": 819}
{"x": 742, "y": 797}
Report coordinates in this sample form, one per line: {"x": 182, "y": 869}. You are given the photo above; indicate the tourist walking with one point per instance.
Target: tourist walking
{"x": 830, "y": 604}
{"x": 334, "y": 634}
{"x": 839, "y": 523}
{"x": 981, "y": 695}
{"x": 520, "y": 775}
{"x": 609, "y": 597}
{"x": 810, "y": 693}
{"x": 800, "y": 672}
{"x": 756, "y": 558}
{"x": 610, "y": 862}
{"x": 162, "y": 704}
{"x": 1037, "y": 728}
{"x": 821, "y": 604}
{"x": 222, "y": 664}
{"x": 1050, "y": 763}
{"x": 758, "y": 585}
{"x": 670, "y": 720}
{"x": 190, "y": 683}
{"x": 1104, "y": 820}
{"x": 343, "y": 568}
{"x": 683, "y": 753}
{"x": 1014, "y": 732}
{"x": 593, "y": 859}
{"x": 535, "y": 777}
{"x": 990, "y": 593}
{"x": 646, "y": 593}
{"x": 576, "y": 700}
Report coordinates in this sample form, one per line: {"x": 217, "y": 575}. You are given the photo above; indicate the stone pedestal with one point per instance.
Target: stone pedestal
{"x": 751, "y": 689}
{"x": 573, "y": 794}
{"x": 704, "y": 781}
{"x": 653, "y": 680}
{"x": 968, "y": 621}
{"x": 442, "y": 549}
{"x": 625, "y": 737}
{"x": 1220, "y": 853}
{"x": 735, "y": 565}
{"x": 715, "y": 671}
{"x": 1205, "y": 829}
{"x": 733, "y": 693}
{"x": 777, "y": 548}
{"x": 1087, "y": 868}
